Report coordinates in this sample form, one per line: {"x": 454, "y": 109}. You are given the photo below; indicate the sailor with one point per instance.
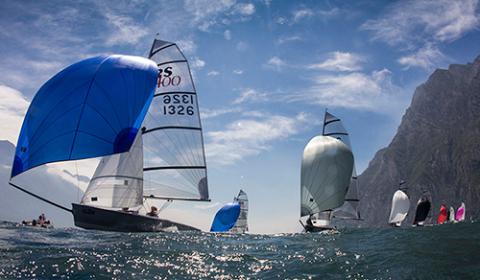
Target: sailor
{"x": 153, "y": 212}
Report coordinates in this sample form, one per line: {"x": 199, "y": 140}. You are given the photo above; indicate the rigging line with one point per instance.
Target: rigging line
{"x": 39, "y": 197}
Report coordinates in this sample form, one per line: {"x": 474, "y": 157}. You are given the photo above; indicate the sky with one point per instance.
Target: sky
{"x": 265, "y": 71}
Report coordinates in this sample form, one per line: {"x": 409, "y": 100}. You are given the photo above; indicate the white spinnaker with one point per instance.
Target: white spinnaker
{"x": 241, "y": 226}
{"x": 118, "y": 179}
{"x": 400, "y": 206}
{"x": 175, "y": 164}
{"x": 326, "y": 171}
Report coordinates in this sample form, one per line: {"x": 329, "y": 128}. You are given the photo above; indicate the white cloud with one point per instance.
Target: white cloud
{"x": 250, "y": 95}
{"x": 409, "y": 22}
{"x": 374, "y": 92}
{"x": 238, "y": 71}
{"x": 249, "y": 137}
{"x": 339, "y": 61}
{"x": 197, "y": 63}
{"x": 242, "y": 46}
{"x": 213, "y": 73}
{"x": 301, "y": 14}
{"x": 126, "y": 31}
{"x": 245, "y": 9}
{"x": 187, "y": 46}
{"x": 13, "y": 106}
{"x": 288, "y": 39}
{"x": 426, "y": 57}
{"x": 276, "y": 63}
{"x": 227, "y": 34}
{"x": 213, "y": 113}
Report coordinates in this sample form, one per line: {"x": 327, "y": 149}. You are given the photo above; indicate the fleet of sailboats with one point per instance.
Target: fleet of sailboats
{"x": 141, "y": 116}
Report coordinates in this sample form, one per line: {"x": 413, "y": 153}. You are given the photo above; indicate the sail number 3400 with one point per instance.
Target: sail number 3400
{"x": 177, "y": 104}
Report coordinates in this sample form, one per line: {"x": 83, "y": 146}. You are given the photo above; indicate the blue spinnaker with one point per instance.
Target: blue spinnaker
{"x": 92, "y": 108}
{"x": 226, "y": 217}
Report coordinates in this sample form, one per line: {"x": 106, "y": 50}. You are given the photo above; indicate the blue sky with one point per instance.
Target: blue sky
{"x": 264, "y": 70}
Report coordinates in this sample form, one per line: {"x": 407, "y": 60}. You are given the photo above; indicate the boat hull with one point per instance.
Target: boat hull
{"x": 90, "y": 217}
{"x": 318, "y": 228}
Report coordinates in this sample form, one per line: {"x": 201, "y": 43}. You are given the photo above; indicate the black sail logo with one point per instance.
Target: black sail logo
{"x": 166, "y": 77}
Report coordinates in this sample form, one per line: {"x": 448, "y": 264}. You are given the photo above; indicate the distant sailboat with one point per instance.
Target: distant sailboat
{"x": 442, "y": 216}
{"x": 241, "y": 226}
{"x": 400, "y": 206}
{"x": 421, "y": 213}
{"x": 460, "y": 216}
{"x": 326, "y": 174}
{"x": 226, "y": 217}
{"x": 92, "y": 108}
{"x": 451, "y": 215}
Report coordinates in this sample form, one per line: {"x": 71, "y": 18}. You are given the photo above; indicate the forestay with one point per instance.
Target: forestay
{"x": 174, "y": 154}
{"x": 92, "y": 108}
{"x": 118, "y": 179}
{"x": 400, "y": 206}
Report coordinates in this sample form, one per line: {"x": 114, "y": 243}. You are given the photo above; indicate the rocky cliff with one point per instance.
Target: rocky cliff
{"x": 436, "y": 149}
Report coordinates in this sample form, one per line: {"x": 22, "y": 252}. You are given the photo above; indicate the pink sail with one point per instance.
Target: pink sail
{"x": 460, "y": 216}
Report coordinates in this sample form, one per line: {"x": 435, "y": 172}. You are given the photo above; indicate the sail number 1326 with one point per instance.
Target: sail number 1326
{"x": 178, "y": 104}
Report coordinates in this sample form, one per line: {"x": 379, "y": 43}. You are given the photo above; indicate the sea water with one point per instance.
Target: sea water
{"x": 448, "y": 251}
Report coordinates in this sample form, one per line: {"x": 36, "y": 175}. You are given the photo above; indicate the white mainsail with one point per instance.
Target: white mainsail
{"x": 327, "y": 166}
{"x": 118, "y": 179}
{"x": 400, "y": 206}
{"x": 175, "y": 166}
{"x": 241, "y": 226}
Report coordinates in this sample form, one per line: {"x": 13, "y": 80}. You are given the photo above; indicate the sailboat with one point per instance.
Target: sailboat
{"x": 421, "y": 213}
{"x": 167, "y": 161}
{"x": 451, "y": 215}
{"x": 226, "y": 217}
{"x": 92, "y": 108}
{"x": 399, "y": 210}
{"x": 442, "y": 216}
{"x": 326, "y": 174}
{"x": 460, "y": 216}
{"x": 241, "y": 226}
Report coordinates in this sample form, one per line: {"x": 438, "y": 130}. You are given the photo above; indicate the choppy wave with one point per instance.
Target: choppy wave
{"x": 437, "y": 252}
